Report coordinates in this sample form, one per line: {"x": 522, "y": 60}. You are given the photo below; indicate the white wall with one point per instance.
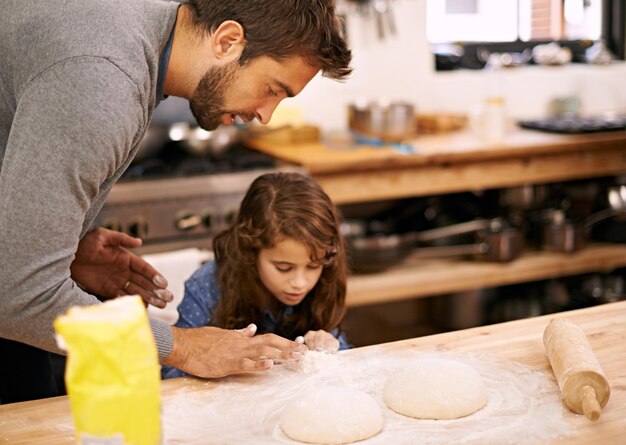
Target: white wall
{"x": 401, "y": 67}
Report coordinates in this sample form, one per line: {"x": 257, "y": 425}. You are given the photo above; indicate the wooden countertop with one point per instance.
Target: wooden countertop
{"x": 449, "y": 148}
{"x": 454, "y": 162}
{"x": 49, "y": 421}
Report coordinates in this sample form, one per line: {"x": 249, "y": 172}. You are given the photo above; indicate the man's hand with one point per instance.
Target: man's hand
{"x": 214, "y": 352}
{"x": 321, "y": 341}
{"x": 104, "y": 267}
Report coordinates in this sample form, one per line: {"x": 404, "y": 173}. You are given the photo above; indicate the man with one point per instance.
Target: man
{"x": 79, "y": 81}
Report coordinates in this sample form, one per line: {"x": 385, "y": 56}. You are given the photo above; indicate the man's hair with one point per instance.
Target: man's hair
{"x": 281, "y": 206}
{"x": 281, "y": 29}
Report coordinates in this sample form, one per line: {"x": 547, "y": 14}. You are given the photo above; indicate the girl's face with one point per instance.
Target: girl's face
{"x": 286, "y": 270}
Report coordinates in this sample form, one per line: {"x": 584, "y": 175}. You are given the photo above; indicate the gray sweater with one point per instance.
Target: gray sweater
{"x": 77, "y": 91}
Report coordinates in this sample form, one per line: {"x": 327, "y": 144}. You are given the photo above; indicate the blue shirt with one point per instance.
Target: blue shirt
{"x": 164, "y": 60}
{"x": 202, "y": 294}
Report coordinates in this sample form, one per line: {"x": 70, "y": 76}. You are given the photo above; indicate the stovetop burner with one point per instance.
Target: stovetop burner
{"x": 174, "y": 162}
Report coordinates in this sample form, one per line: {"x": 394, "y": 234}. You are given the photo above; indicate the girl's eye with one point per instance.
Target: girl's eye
{"x": 314, "y": 266}
{"x": 271, "y": 92}
{"x": 283, "y": 268}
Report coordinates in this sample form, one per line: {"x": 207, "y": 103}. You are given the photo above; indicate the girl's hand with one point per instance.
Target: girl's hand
{"x": 321, "y": 341}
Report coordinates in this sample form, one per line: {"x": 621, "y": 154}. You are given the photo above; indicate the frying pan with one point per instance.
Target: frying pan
{"x": 495, "y": 241}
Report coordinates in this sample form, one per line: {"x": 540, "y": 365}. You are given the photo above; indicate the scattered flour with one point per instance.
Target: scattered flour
{"x": 523, "y": 405}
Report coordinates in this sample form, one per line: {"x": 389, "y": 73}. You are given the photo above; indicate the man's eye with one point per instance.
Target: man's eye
{"x": 271, "y": 92}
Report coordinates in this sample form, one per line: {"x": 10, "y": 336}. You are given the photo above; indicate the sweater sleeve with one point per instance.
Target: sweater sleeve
{"x": 197, "y": 307}
{"x": 73, "y": 129}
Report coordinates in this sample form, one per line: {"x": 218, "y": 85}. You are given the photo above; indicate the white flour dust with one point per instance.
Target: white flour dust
{"x": 524, "y": 405}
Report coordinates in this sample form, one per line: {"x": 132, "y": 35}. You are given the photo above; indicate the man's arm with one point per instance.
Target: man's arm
{"x": 70, "y": 136}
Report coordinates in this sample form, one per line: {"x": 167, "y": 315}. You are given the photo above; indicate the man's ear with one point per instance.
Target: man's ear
{"x": 228, "y": 40}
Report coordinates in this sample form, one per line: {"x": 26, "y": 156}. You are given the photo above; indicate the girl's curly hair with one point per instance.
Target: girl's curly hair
{"x": 278, "y": 206}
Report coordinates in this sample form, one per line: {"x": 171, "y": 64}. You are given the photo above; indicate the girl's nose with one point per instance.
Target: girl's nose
{"x": 298, "y": 281}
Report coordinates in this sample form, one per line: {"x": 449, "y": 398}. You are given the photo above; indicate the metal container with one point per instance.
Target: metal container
{"x": 199, "y": 142}
{"x": 494, "y": 241}
{"x": 565, "y": 235}
{"x": 389, "y": 122}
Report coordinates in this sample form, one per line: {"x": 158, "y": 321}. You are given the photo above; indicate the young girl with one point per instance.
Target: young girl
{"x": 281, "y": 265}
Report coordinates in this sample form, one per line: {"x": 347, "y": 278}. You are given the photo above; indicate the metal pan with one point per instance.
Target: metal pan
{"x": 565, "y": 235}
{"x": 495, "y": 241}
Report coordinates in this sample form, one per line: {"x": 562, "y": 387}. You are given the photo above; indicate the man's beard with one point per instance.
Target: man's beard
{"x": 207, "y": 103}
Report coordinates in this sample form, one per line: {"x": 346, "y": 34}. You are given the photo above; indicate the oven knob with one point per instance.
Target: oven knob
{"x": 207, "y": 220}
{"x": 231, "y": 217}
{"x": 112, "y": 224}
{"x": 188, "y": 221}
{"x": 138, "y": 228}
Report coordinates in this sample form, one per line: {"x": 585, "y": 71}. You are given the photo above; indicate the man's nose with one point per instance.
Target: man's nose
{"x": 265, "y": 113}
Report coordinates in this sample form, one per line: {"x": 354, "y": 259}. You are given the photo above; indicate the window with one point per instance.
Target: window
{"x": 457, "y": 27}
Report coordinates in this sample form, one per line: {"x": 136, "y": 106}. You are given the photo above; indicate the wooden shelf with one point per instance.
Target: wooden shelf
{"x": 418, "y": 278}
{"x": 456, "y": 162}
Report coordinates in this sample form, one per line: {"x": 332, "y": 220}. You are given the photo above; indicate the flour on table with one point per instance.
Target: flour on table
{"x": 435, "y": 388}
{"x": 524, "y": 405}
{"x": 314, "y": 361}
{"x": 331, "y": 415}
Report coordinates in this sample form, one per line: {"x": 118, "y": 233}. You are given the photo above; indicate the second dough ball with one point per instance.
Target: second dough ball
{"x": 332, "y": 415}
{"x": 435, "y": 388}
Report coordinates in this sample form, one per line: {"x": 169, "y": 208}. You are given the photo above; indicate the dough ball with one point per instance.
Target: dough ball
{"x": 332, "y": 415}
{"x": 435, "y": 388}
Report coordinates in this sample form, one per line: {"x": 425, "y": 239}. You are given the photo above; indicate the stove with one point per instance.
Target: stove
{"x": 176, "y": 200}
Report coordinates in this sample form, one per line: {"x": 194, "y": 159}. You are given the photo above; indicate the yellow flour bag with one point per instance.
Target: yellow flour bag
{"x": 112, "y": 374}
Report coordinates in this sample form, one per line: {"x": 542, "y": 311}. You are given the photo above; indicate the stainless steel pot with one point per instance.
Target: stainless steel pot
{"x": 565, "y": 235}
{"x": 525, "y": 197}
{"x": 389, "y": 122}
{"x": 190, "y": 138}
{"x": 495, "y": 241}
{"x": 199, "y": 142}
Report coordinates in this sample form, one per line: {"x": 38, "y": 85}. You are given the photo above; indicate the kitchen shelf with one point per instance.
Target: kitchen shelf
{"x": 419, "y": 278}
{"x": 458, "y": 162}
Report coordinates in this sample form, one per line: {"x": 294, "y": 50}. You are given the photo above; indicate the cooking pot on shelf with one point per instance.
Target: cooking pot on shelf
{"x": 525, "y": 197}
{"x": 612, "y": 230}
{"x": 566, "y": 235}
{"x": 495, "y": 241}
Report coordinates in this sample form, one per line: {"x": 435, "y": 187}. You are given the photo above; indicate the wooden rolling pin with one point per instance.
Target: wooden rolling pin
{"x": 583, "y": 385}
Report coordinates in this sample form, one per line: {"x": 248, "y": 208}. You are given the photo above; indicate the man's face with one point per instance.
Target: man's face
{"x": 251, "y": 91}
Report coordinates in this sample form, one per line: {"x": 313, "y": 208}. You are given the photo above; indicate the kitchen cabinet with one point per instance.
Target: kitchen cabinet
{"x": 458, "y": 162}
{"x": 49, "y": 421}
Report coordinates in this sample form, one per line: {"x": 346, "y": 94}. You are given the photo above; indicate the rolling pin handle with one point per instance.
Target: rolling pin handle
{"x": 590, "y": 405}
